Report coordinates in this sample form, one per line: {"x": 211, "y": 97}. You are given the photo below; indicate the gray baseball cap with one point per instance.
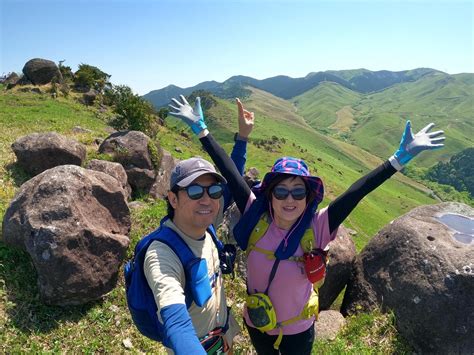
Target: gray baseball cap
{"x": 186, "y": 171}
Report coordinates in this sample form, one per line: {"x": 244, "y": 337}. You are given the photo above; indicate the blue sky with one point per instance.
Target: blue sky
{"x": 148, "y": 45}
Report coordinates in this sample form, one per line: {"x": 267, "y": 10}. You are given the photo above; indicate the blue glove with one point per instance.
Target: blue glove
{"x": 411, "y": 145}
{"x": 194, "y": 118}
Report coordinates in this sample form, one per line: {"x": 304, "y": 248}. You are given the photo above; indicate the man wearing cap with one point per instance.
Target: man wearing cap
{"x": 193, "y": 204}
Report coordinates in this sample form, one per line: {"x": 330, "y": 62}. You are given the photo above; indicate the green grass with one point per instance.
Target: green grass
{"x": 366, "y": 334}
{"x": 29, "y": 326}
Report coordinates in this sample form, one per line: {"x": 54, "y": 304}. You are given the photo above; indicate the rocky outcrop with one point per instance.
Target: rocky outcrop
{"x": 38, "y": 152}
{"x": 88, "y": 98}
{"x": 423, "y": 270}
{"x": 42, "y": 71}
{"x": 132, "y": 150}
{"x": 115, "y": 170}
{"x": 74, "y": 223}
{"x": 161, "y": 185}
{"x": 11, "y": 80}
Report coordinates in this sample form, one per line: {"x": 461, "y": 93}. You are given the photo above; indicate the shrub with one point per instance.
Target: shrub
{"x": 458, "y": 172}
{"x": 162, "y": 114}
{"x": 156, "y": 153}
{"x": 90, "y": 77}
{"x": 66, "y": 72}
{"x": 133, "y": 112}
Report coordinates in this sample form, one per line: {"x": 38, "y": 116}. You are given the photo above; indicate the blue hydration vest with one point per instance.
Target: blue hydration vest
{"x": 140, "y": 300}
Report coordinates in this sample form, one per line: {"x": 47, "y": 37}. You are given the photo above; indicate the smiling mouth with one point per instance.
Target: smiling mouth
{"x": 205, "y": 212}
{"x": 289, "y": 209}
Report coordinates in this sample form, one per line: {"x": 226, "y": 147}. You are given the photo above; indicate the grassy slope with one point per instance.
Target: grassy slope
{"x": 447, "y": 100}
{"x": 26, "y": 325}
{"x": 319, "y": 105}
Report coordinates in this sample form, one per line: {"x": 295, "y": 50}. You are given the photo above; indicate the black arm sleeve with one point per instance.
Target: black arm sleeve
{"x": 342, "y": 206}
{"x": 237, "y": 185}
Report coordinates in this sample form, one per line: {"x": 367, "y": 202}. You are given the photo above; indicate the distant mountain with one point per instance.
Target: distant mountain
{"x": 366, "y": 81}
{"x": 359, "y": 80}
{"x": 373, "y": 121}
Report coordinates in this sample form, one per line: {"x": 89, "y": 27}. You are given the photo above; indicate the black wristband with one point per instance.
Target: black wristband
{"x": 237, "y": 137}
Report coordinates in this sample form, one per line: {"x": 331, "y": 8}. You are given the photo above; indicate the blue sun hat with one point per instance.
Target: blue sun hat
{"x": 292, "y": 167}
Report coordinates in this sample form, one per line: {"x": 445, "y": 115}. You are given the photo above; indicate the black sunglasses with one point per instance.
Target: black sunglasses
{"x": 195, "y": 192}
{"x": 282, "y": 193}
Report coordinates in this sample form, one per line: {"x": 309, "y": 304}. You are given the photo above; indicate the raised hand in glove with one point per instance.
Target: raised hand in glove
{"x": 411, "y": 145}
{"x": 193, "y": 117}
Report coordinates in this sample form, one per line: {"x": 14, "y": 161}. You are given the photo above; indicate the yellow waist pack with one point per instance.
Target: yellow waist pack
{"x": 261, "y": 311}
{"x": 263, "y": 316}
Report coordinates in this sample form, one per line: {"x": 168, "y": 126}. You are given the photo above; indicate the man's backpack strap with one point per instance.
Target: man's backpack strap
{"x": 140, "y": 299}
{"x": 212, "y": 231}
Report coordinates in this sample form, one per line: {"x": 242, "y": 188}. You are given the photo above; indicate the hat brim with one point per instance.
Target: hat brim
{"x": 315, "y": 184}
{"x": 189, "y": 179}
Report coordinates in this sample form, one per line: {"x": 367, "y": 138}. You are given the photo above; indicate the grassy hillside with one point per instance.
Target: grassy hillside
{"x": 28, "y": 326}
{"x": 377, "y": 120}
{"x": 320, "y": 106}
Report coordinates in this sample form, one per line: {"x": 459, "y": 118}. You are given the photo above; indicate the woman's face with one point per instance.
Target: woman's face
{"x": 286, "y": 211}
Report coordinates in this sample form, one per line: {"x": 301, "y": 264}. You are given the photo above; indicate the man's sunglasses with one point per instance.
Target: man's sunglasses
{"x": 282, "y": 193}
{"x": 195, "y": 192}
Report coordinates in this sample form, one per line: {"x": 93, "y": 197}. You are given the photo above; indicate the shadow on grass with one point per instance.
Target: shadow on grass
{"x": 17, "y": 173}
{"x": 22, "y": 300}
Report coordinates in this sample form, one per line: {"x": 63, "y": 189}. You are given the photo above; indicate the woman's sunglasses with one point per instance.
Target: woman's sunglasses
{"x": 195, "y": 192}
{"x": 282, "y": 193}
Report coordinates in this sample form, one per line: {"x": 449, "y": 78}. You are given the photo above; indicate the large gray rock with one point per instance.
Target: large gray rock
{"x": 115, "y": 170}
{"x": 342, "y": 253}
{"x": 424, "y": 271}
{"x": 42, "y": 71}
{"x": 11, "y": 80}
{"x": 132, "y": 150}
{"x": 38, "y": 152}
{"x": 88, "y": 98}
{"x": 74, "y": 223}
{"x": 161, "y": 185}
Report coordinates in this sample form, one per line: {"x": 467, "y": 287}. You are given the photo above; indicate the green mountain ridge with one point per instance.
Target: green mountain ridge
{"x": 374, "y": 120}
{"x": 360, "y": 80}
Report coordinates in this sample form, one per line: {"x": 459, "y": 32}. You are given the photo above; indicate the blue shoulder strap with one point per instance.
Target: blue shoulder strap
{"x": 217, "y": 242}
{"x": 172, "y": 239}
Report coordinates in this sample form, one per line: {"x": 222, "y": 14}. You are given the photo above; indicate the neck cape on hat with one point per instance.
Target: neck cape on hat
{"x": 292, "y": 167}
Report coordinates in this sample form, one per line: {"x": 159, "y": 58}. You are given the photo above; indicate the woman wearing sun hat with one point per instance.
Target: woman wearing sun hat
{"x": 286, "y": 236}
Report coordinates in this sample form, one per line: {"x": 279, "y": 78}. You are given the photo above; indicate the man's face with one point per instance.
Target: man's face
{"x": 194, "y": 216}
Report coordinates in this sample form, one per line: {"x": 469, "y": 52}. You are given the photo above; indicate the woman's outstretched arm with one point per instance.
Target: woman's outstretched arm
{"x": 410, "y": 146}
